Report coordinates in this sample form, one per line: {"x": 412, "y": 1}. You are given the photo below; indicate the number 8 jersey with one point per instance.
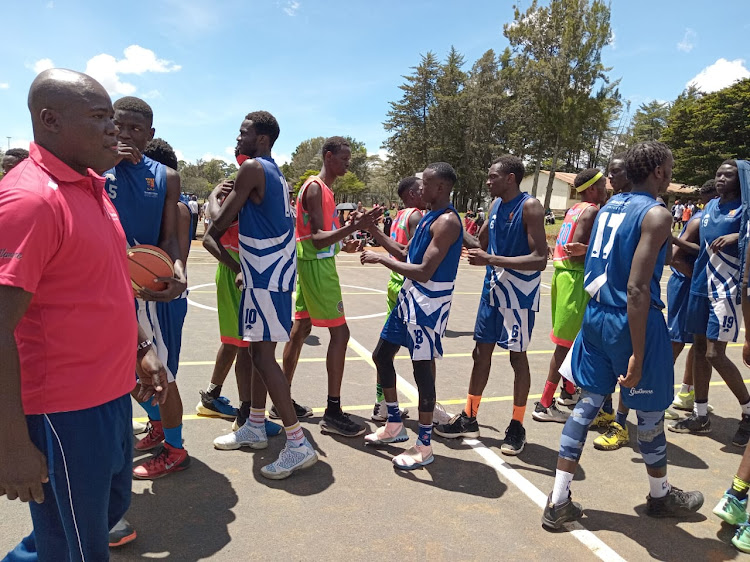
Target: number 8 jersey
{"x": 614, "y": 238}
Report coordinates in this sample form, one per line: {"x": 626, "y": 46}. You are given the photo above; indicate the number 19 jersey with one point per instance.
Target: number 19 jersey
{"x": 615, "y": 236}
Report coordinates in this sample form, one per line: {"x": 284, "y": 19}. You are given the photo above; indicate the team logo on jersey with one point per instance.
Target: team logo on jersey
{"x": 340, "y": 307}
{"x": 6, "y": 255}
{"x": 151, "y": 183}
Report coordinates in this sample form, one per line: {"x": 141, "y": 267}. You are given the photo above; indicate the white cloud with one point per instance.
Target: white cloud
{"x": 107, "y": 69}
{"x": 382, "y": 153}
{"x": 688, "y": 41}
{"x": 151, "y": 94}
{"x": 281, "y": 159}
{"x": 612, "y": 38}
{"x": 16, "y": 143}
{"x": 50, "y": 5}
{"x": 208, "y": 156}
{"x": 291, "y": 8}
{"x": 719, "y": 75}
{"x": 229, "y": 151}
{"x": 180, "y": 155}
{"x": 41, "y": 65}
{"x": 4, "y": 85}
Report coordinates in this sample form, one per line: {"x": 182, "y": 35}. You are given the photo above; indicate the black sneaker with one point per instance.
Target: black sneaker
{"x": 515, "y": 439}
{"x": 675, "y": 504}
{"x": 460, "y": 426}
{"x": 341, "y": 424}
{"x": 122, "y": 533}
{"x": 567, "y": 399}
{"x": 743, "y": 432}
{"x": 692, "y": 424}
{"x": 240, "y": 420}
{"x": 555, "y": 516}
{"x": 299, "y": 410}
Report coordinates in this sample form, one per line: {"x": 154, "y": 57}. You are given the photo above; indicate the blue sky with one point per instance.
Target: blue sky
{"x": 323, "y": 67}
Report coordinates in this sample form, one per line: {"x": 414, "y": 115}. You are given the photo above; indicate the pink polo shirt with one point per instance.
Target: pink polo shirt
{"x": 61, "y": 239}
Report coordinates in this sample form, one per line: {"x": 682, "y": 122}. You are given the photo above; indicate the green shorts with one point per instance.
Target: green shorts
{"x": 395, "y": 282}
{"x": 228, "y": 303}
{"x": 319, "y": 293}
{"x": 569, "y": 300}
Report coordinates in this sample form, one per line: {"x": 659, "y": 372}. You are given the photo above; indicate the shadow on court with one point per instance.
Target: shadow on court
{"x": 166, "y": 516}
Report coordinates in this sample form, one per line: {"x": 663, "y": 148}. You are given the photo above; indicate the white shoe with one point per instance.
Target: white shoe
{"x": 290, "y": 460}
{"x": 138, "y": 428}
{"x": 380, "y": 412}
{"x": 388, "y": 433}
{"x": 440, "y": 416}
{"x": 414, "y": 457}
{"x": 246, "y": 436}
{"x": 551, "y": 414}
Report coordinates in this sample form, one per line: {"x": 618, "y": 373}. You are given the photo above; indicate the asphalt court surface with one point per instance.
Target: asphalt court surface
{"x": 472, "y": 503}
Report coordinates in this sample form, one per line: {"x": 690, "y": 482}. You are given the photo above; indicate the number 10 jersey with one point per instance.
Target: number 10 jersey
{"x": 615, "y": 236}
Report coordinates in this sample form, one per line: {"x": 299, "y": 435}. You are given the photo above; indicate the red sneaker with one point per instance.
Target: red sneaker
{"x": 168, "y": 460}
{"x": 153, "y": 438}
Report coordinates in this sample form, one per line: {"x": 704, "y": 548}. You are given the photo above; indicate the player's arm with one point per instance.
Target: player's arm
{"x": 577, "y": 247}
{"x": 212, "y": 243}
{"x": 656, "y": 230}
{"x": 445, "y": 231}
{"x": 169, "y": 241}
{"x": 23, "y": 468}
{"x": 152, "y": 376}
{"x": 684, "y": 246}
{"x": 482, "y": 240}
{"x": 184, "y": 222}
{"x": 536, "y": 259}
{"x": 313, "y": 201}
{"x": 396, "y": 249}
{"x": 746, "y": 307}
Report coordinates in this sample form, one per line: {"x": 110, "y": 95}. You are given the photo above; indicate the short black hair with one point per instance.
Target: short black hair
{"x": 510, "y": 164}
{"x": 444, "y": 171}
{"x": 407, "y": 183}
{"x": 585, "y": 176}
{"x": 334, "y": 144}
{"x": 643, "y": 158}
{"x": 136, "y": 105}
{"x": 161, "y": 151}
{"x": 708, "y": 187}
{"x": 264, "y": 124}
{"x": 19, "y": 153}
{"x": 618, "y": 156}
{"x": 731, "y": 162}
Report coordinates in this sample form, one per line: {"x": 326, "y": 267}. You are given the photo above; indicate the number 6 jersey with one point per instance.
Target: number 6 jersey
{"x": 614, "y": 238}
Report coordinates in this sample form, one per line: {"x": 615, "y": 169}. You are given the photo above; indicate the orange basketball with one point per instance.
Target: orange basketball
{"x": 146, "y": 263}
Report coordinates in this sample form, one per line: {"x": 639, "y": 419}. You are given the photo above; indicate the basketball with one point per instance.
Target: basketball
{"x": 146, "y": 263}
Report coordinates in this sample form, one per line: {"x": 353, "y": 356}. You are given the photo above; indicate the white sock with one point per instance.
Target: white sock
{"x": 685, "y": 388}
{"x": 700, "y": 408}
{"x": 659, "y": 486}
{"x": 562, "y": 486}
{"x": 211, "y": 386}
{"x": 745, "y": 408}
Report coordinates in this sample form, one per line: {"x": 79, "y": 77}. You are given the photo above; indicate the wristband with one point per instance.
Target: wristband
{"x": 144, "y": 345}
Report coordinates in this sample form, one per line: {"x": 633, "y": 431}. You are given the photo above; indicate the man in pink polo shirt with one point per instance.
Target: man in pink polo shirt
{"x": 68, "y": 336}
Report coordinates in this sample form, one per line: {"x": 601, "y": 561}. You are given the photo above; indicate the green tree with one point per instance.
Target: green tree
{"x": 302, "y": 179}
{"x": 348, "y": 186}
{"x": 705, "y": 130}
{"x": 305, "y": 157}
{"x": 649, "y": 121}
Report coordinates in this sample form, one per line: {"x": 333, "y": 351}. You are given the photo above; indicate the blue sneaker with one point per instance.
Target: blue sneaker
{"x": 215, "y": 407}
{"x": 290, "y": 460}
{"x": 731, "y": 510}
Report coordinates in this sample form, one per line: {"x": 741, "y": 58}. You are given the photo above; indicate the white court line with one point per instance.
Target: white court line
{"x": 598, "y": 547}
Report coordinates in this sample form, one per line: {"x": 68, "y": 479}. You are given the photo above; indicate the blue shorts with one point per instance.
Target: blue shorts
{"x": 510, "y": 329}
{"x": 602, "y": 350}
{"x": 678, "y": 292}
{"x": 162, "y": 322}
{"x": 423, "y": 343}
{"x": 90, "y": 461}
{"x": 717, "y": 319}
{"x": 265, "y": 315}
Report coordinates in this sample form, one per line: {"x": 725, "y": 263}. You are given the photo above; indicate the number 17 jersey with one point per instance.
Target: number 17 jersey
{"x": 614, "y": 238}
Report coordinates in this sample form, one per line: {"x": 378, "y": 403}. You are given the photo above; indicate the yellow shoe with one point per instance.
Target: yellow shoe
{"x": 602, "y": 420}
{"x": 616, "y": 437}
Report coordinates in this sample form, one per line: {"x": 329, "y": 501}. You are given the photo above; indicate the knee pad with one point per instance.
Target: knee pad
{"x": 425, "y": 385}
{"x": 651, "y": 438}
{"x": 383, "y": 359}
{"x": 576, "y": 428}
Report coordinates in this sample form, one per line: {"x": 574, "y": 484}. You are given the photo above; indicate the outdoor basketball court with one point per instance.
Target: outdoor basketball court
{"x": 472, "y": 503}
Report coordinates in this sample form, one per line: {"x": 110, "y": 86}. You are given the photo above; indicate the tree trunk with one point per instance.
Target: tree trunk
{"x": 550, "y": 183}
{"x": 536, "y": 176}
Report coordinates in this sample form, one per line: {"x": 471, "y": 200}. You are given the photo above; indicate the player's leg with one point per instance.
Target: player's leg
{"x": 732, "y": 508}
{"x": 546, "y": 409}
{"x": 617, "y": 434}
{"x": 302, "y": 325}
{"x": 717, "y": 357}
{"x": 211, "y": 403}
{"x": 393, "y": 431}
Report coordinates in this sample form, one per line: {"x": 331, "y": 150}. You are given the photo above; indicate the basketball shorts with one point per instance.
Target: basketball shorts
{"x": 422, "y": 342}
{"x": 569, "y": 300}
{"x": 162, "y": 322}
{"x": 319, "y": 293}
{"x": 603, "y": 348}
{"x": 395, "y": 282}
{"x": 717, "y": 319}
{"x": 509, "y": 328}
{"x": 228, "y": 298}
{"x": 678, "y": 294}
{"x": 266, "y": 315}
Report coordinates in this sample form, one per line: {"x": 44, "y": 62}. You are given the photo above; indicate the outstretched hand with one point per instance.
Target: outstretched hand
{"x": 368, "y": 256}
{"x": 478, "y": 257}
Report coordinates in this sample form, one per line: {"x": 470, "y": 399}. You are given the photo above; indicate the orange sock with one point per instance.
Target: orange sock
{"x": 472, "y": 405}
{"x": 518, "y": 413}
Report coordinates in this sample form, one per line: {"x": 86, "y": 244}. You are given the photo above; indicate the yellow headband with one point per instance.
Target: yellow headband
{"x": 589, "y": 183}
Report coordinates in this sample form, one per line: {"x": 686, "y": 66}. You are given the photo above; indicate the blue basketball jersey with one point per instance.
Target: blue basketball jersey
{"x": 503, "y": 287}
{"x": 689, "y": 258}
{"x": 615, "y": 236}
{"x": 717, "y": 274}
{"x": 138, "y": 192}
{"x": 429, "y": 304}
{"x": 268, "y": 246}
